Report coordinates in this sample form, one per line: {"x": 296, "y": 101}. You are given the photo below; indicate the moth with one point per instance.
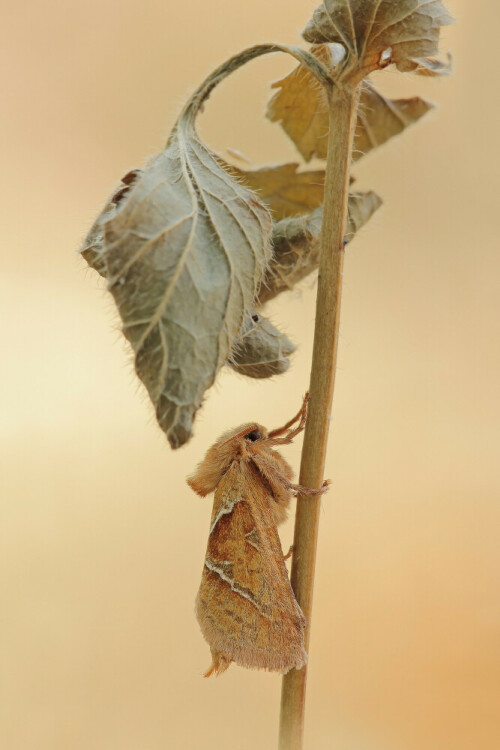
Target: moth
{"x": 245, "y": 605}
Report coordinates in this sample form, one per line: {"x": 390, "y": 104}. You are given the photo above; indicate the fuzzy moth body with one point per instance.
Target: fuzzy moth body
{"x": 245, "y": 605}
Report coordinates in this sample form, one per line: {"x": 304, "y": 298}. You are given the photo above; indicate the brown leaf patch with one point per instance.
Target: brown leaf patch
{"x": 284, "y": 190}
{"x": 301, "y": 108}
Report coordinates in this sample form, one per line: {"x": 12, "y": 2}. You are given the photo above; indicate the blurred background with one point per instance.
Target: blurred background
{"x": 102, "y": 542}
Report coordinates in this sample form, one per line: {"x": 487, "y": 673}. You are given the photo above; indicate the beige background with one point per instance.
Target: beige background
{"x": 102, "y": 542}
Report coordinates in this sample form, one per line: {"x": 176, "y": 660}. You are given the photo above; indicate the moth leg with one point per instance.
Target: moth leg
{"x": 220, "y": 662}
{"x": 289, "y": 553}
{"x": 299, "y": 489}
{"x": 301, "y": 415}
{"x": 281, "y": 484}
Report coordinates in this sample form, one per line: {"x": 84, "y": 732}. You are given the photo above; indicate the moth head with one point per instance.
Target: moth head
{"x": 232, "y": 445}
{"x": 249, "y": 433}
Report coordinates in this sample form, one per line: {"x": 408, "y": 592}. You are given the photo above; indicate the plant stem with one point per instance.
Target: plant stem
{"x": 343, "y": 103}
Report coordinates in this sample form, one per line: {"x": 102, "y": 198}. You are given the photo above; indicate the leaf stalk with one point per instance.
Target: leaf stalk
{"x": 310, "y": 61}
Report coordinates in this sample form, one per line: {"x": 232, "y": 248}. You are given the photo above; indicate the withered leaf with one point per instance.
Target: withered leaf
{"x": 376, "y": 33}
{"x": 296, "y": 244}
{"x": 301, "y": 108}
{"x": 284, "y": 190}
{"x": 185, "y": 252}
{"x": 261, "y": 350}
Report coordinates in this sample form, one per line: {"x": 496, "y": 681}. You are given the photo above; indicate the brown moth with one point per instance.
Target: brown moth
{"x": 245, "y": 605}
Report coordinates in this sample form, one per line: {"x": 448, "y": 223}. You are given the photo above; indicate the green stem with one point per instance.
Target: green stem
{"x": 343, "y": 103}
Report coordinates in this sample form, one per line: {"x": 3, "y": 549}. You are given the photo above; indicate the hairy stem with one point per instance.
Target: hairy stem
{"x": 343, "y": 104}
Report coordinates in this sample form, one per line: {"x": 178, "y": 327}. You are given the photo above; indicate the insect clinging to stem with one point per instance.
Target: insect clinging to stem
{"x": 245, "y": 605}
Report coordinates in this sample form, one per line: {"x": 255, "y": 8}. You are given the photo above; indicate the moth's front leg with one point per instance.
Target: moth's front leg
{"x": 281, "y": 481}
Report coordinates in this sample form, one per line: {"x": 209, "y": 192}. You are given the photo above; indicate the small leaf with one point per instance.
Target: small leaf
{"x": 376, "y": 33}
{"x": 284, "y": 190}
{"x": 185, "y": 252}
{"x": 261, "y": 350}
{"x": 300, "y": 106}
{"x": 296, "y": 244}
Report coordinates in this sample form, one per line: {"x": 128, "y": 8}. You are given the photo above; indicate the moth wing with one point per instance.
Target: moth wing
{"x": 245, "y": 605}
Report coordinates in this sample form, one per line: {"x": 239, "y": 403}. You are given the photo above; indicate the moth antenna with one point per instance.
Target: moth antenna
{"x": 288, "y": 438}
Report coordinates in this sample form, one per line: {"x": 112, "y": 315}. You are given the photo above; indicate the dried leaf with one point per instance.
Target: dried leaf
{"x": 261, "y": 350}
{"x": 301, "y": 108}
{"x": 376, "y": 33}
{"x": 284, "y": 190}
{"x": 296, "y": 244}
{"x": 185, "y": 252}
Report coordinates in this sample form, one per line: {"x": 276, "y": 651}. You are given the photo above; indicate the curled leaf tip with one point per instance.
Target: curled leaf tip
{"x": 261, "y": 350}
